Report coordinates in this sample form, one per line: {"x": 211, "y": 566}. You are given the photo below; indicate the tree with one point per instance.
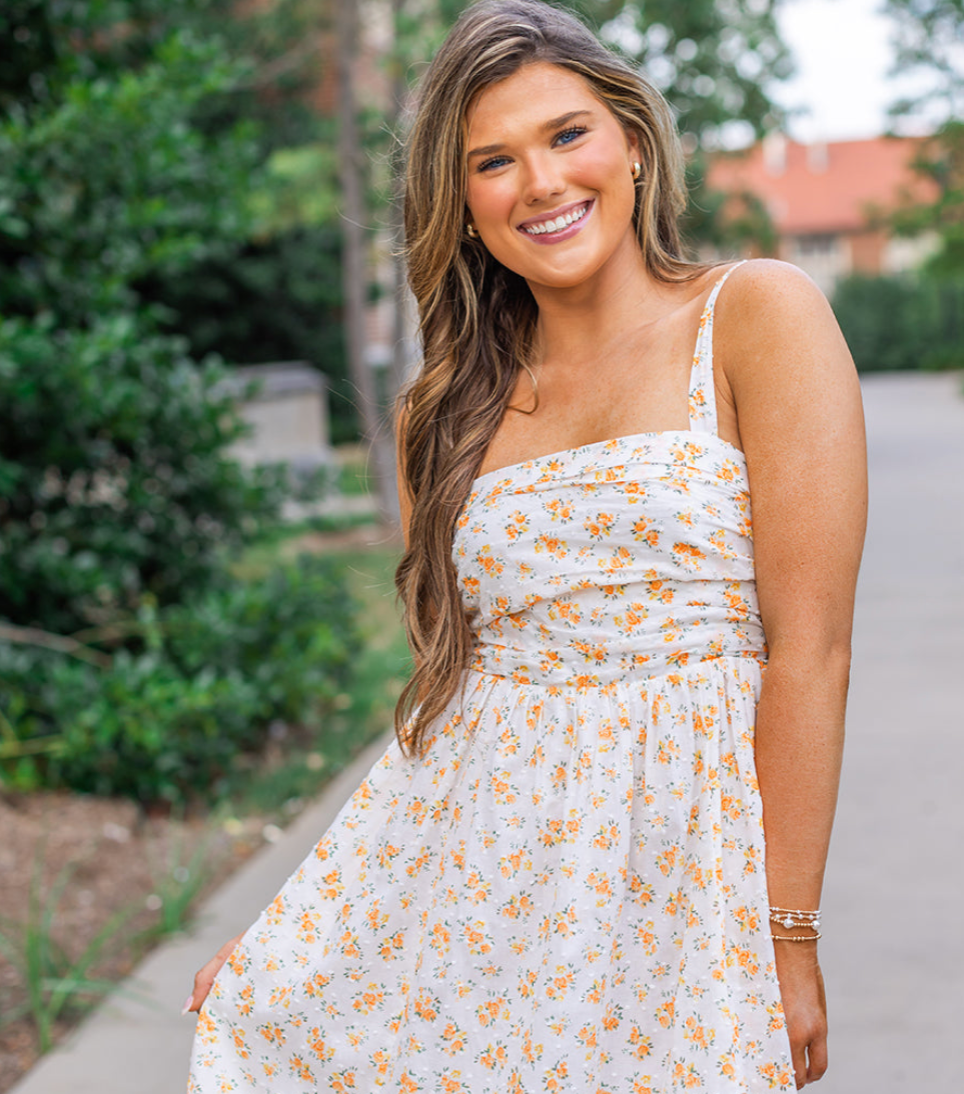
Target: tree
{"x": 712, "y": 59}
{"x": 929, "y": 41}
{"x": 116, "y": 480}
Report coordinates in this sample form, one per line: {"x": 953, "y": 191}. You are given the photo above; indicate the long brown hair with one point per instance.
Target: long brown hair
{"x": 477, "y": 318}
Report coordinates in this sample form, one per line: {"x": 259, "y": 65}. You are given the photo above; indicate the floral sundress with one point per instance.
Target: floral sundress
{"x": 567, "y": 896}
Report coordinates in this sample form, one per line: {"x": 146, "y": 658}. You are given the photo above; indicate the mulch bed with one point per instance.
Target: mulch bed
{"x": 117, "y": 858}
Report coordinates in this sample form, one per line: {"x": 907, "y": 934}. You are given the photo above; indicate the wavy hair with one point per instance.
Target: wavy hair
{"x": 477, "y": 319}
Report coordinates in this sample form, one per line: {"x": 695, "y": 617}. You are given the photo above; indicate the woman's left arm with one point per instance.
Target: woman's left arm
{"x": 798, "y": 413}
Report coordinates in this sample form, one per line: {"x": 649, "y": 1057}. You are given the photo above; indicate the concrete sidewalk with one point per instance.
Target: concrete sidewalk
{"x": 893, "y": 951}
{"x": 136, "y": 1042}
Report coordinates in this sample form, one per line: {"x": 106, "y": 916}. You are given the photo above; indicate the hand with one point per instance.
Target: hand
{"x": 804, "y": 1007}
{"x": 205, "y": 976}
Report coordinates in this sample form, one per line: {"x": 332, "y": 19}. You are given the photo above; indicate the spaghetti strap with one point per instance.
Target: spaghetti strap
{"x": 702, "y": 396}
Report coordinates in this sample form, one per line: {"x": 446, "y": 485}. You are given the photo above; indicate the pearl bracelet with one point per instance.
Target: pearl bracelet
{"x": 795, "y": 917}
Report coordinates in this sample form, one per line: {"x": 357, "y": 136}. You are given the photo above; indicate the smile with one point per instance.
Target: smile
{"x": 563, "y": 225}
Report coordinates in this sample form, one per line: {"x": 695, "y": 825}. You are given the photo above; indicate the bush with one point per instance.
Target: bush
{"x": 902, "y": 322}
{"x": 114, "y": 477}
{"x": 200, "y": 684}
{"x": 278, "y": 299}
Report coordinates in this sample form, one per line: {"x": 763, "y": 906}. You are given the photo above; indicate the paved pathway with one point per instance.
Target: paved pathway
{"x": 893, "y": 952}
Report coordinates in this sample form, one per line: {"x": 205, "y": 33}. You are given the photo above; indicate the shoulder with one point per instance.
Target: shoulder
{"x": 761, "y": 286}
{"x": 764, "y": 291}
{"x": 771, "y": 318}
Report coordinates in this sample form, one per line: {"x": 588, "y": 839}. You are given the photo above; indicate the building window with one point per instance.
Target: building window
{"x": 812, "y": 246}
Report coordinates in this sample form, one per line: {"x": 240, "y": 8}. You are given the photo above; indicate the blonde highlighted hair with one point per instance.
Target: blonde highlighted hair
{"x": 477, "y": 318}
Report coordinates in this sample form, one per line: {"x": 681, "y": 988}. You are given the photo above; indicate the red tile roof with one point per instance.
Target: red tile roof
{"x": 832, "y": 187}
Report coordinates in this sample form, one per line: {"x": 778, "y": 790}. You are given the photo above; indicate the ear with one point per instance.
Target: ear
{"x": 632, "y": 143}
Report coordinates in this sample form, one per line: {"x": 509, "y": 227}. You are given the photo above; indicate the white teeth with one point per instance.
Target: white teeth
{"x": 559, "y": 223}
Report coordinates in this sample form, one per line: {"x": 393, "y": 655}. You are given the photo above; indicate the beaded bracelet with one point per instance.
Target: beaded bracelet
{"x": 796, "y": 937}
{"x": 795, "y": 917}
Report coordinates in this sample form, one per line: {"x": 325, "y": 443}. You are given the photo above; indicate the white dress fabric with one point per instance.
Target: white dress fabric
{"x": 567, "y": 896}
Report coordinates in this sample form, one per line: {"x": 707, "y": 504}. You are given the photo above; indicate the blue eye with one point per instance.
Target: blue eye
{"x": 567, "y": 136}
{"x": 496, "y": 161}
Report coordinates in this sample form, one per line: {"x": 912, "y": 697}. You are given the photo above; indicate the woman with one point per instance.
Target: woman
{"x": 557, "y": 880}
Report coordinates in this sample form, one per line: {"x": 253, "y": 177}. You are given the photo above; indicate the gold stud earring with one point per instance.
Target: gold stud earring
{"x": 637, "y": 171}
{"x": 471, "y": 231}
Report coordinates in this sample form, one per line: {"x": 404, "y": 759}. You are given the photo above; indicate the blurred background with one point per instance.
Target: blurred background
{"x": 203, "y": 324}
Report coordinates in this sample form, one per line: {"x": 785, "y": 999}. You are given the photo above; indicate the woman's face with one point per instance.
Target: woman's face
{"x": 542, "y": 146}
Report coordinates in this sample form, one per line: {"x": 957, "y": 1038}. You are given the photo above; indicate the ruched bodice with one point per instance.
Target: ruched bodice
{"x": 628, "y": 558}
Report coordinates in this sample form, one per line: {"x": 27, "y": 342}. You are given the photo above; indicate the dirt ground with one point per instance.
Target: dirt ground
{"x": 116, "y": 859}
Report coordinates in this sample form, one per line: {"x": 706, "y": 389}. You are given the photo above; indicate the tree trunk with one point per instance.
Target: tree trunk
{"x": 354, "y": 265}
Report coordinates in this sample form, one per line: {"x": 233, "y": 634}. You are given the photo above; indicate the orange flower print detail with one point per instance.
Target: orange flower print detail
{"x": 316, "y": 1043}
{"x": 688, "y": 554}
{"x": 559, "y": 509}
{"x": 517, "y": 524}
{"x": 551, "y": 545}
{"x": 664, "y": 1014}
{"x": 686, "y": 1076}
{"x": 440, "y": 938}
{"x": 642, "y": 1045}
{"x": 301, "y": 1070}
{"x": 238, "y": 962}
{"x": 453, "y": 1039}
{"x": 272, "y": 1033}
{"x": 407, "y": 1084}
{"x": 369, "y": 999}
{"x": 599, "y": 526}
{"x": 697, "y": 1034}
{"x": 775, "y": 1075}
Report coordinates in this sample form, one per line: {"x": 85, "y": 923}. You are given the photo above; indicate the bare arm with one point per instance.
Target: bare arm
{"x": 800, "y": 423}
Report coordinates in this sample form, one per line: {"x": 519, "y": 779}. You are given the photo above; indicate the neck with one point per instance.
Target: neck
{"x": 576, "y": 323}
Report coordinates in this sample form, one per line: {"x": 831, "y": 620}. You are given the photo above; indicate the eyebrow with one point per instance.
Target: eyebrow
{"x": 553, "y": 123}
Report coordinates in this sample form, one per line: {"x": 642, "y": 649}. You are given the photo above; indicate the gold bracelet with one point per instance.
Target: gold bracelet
{"x": 796, "y": 937}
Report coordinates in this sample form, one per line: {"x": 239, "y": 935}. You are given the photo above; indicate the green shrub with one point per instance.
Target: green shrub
{"x": 199, "y": 684}
{"x": 902, "y": 322}
{"x": 114, "y": 477}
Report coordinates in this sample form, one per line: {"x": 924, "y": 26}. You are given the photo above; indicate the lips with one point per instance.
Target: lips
{"x": 559, "y": 224}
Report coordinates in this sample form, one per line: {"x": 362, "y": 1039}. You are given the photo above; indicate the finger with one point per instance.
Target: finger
{"x": 206, "y": 975}
{"x": 817, "y": 1059}
{"x": 203, "y": 981}
{"x": 799, "y": 1056}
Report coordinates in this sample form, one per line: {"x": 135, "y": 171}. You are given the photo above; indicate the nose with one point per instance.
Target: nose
{"x": 543, "y": 178}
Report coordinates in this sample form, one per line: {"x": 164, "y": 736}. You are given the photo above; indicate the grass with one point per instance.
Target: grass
{"x": 176, "y": 885}
{"x": 54, "y": 980}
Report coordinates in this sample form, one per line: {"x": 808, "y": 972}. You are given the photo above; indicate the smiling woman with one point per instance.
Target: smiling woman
{"x": 592, "y": 861}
